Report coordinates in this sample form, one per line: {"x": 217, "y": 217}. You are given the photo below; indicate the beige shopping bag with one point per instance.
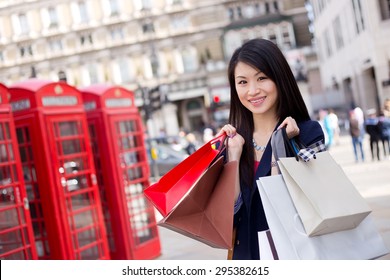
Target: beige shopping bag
{"x": 325, "y": 198}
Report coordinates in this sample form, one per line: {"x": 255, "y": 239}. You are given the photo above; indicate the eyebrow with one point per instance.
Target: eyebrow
{"x": 243, "y": 77}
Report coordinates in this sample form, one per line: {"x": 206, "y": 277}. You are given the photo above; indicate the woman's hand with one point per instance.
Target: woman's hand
{"x": 292, "y": 128}
{"x": 235, "y": 142}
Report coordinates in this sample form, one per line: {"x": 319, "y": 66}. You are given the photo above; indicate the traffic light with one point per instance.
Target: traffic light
{"x": 155, "y": 98}
{"x": 62, "y": 76}
{"x": 216, "y": 102}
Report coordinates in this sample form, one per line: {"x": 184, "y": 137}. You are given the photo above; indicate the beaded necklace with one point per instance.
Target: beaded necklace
{"x": 258, "y": 147}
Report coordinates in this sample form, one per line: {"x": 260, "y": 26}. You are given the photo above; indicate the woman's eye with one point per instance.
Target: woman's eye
{"x": 241, "y": 82}
{"x": 262, "y": 78}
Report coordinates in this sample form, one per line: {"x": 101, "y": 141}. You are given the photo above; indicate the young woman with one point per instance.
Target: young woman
{"x": 264, "y": 97}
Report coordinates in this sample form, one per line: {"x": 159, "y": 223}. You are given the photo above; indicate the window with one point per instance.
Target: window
{"x": 257, "y": 8}
{"x": 190, "y": 61}
{"x": 358, "y": 13}
{"x": 267, "y": 9}
{"x": 310, "y": 15}
{"x": 276, "y": 6}
{"x": 154, "y": 62}
{"x": 174, "y": 2}
{"x": 146, "y": 4}
{"x": 124, "y": 70}
{"x": 231, "y": 14}
{"x": 321, "y": 5}
{"x": 328, "y": 47}
{"x": 286, "y": 35}
{"x": 319, "y": 49}
{"x": 83, "y": 13}
{"x": 114, "y": 7}
{"x": 148, "y": 27}
{"x": 123, "y": 65}
{"x": 53, "y": 17}
{"x": 55, "y": 45}
{"x": 272, "y": 37}
{"x": 272, "y": 34}
{"x": 384, "y": 6}
{"x": 86, "y": 39}
{"x": 143, "y": 5}
{"x": 239, "y": 12}
{"x": 117, "y": 33}
{"x": 25, "y": 50}
{"x": 93, "y": 73}
{"x": 179, "y": 22}
{"x": 23, "y": 22}
{"x": 338, "y": 33}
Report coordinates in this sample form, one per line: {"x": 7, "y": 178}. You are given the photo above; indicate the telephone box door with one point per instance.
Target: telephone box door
{"x": 16, "y": 235}
{"x": 24, "y": 136}
{"x": 127, "y": 136}
{"x": 81, "y": 208}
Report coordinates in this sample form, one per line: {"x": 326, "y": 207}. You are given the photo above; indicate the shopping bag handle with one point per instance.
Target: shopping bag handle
{"x": 298, "y": 148}
{"x": 288, "y": 145}
{"x": 219, "y": 142}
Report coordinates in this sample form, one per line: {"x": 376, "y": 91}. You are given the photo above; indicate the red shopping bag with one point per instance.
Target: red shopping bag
{"x": 171, "y": 187}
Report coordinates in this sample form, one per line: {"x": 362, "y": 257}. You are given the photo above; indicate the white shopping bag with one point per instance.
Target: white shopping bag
{"x": 292, "y": 242}
{"x": 267, "y": 250}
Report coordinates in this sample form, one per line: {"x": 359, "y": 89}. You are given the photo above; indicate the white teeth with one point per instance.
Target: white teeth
{"x": 257, "y": 100}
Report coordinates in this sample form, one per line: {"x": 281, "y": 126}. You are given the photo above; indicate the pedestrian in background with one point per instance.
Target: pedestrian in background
{"x": 357, "y": 136}
{"x": 208, "y": 134}
{"x": 264, "y": 97}
{"x": 324, "y": 123}
{"x": 373, "y": 131}
{"x": 360, "y": 117}
{"x": 384, "y": 128}
{"x": 386, "y": 108}
{"x": 334, "y": 125}
{"x": 191, "y": 143}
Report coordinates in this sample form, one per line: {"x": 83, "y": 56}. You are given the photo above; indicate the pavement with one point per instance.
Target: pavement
{"x": 371, "y": 178}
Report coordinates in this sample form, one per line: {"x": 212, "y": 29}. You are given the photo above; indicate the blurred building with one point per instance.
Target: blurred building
{"x": 174, "y": 53}
{"x": 353, "y": 45}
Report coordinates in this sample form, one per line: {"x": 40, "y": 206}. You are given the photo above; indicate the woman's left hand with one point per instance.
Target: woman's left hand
{"x": 292, "y": 128}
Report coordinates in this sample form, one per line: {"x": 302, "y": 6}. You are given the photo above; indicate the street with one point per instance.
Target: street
{"x": 371, "y": 178}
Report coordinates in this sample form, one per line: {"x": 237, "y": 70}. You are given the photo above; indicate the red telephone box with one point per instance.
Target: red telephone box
{"x": 122, "y": 169}
{"x": 16, "y": 234}
{"x": 58, "y": 164}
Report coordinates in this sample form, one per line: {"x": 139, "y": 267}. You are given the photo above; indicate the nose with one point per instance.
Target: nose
{"x": 253, "y": 89}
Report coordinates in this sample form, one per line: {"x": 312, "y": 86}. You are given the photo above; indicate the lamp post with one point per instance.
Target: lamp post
{"x": 148, "y": 110}
{"x": 152, "y": 102}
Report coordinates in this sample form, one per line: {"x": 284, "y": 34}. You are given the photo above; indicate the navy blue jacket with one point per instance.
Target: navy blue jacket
{"x": 250, "y": 219}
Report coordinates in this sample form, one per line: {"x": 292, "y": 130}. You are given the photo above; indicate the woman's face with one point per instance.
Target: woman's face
{"x": 255, "y": 90}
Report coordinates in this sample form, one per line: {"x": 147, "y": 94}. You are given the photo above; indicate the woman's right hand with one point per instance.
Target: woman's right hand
{"x": 235, "y": 142}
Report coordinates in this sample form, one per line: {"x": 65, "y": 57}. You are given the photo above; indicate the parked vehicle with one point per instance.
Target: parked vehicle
{"x": 164, "y": 154}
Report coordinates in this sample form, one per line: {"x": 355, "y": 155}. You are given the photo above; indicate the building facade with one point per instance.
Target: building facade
{"x": 173, "y": 53}
{"x": 353, "y": 45}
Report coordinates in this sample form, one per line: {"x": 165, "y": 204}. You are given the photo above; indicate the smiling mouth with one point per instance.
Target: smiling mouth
{"x": 258, "y": 100}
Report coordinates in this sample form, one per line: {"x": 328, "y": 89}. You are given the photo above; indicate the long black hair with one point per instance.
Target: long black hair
{"x": 265, "y": 56}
